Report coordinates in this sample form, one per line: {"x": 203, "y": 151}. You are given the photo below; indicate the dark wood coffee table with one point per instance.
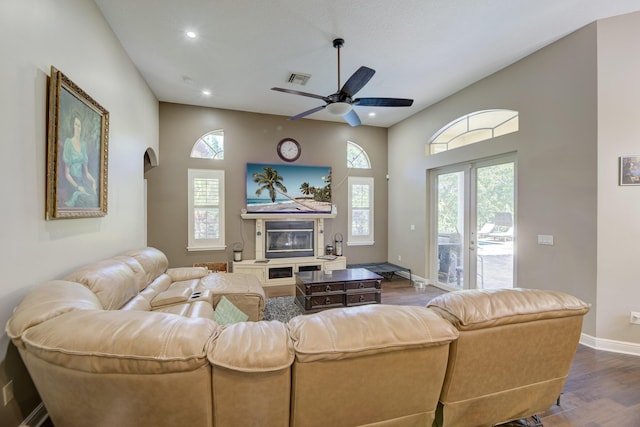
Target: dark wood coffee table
{"x": 319, "y": 290}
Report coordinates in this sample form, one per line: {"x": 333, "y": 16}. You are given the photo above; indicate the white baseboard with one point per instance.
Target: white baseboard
{"x": 35, "y": 419}
{"x": 610, "y": 345}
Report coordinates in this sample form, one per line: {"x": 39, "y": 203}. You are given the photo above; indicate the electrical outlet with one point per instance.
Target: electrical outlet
{"x": 634, "y": 318}
{"x": 399, "y": 258}
{"x": 7, "y": 392}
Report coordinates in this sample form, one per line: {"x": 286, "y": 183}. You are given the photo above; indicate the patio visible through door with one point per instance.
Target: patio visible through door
{"x": 474, "y": 206}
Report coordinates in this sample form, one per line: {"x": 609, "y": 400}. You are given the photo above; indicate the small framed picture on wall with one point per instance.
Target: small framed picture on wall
{"x": 630, "y": 170}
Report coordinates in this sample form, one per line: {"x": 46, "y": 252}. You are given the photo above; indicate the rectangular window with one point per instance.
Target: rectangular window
{"x": 206, "y": 210}
{"x": 360, "y": 211}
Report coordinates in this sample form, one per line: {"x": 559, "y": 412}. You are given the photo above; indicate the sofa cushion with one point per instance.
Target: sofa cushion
{"x": 153, "y": 261}
{"x": 344, "y": 333}
{"x": 227, "y": 313}
{"x": 113, "y": 282}
{"x": 483, "y": 308}
{"x": 122, "y": 342}
{"x": 49, "y": 300}
{"x": 253, "y": 347}
{"x": 138, "y": 302}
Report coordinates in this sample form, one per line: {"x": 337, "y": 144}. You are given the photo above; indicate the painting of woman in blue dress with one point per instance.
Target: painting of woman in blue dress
{"x": 77, "y": 152}
{"x": 81, "y": 188}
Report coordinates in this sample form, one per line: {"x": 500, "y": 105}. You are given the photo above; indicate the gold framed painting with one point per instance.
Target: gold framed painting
{"x": 77, "y": 151}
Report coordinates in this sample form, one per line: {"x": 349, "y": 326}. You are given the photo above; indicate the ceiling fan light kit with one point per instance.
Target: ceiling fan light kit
{"x": 339, "y": 108}
{"x": 342, "y": 102}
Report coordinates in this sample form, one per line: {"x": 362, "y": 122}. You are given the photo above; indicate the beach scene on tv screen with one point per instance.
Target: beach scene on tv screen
{"x": 288, "y": 188}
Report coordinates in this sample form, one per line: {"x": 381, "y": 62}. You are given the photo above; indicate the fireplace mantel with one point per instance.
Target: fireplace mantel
{"x": 289, "y": 215}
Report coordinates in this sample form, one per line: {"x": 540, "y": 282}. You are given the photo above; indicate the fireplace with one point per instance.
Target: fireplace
{"x": 289, "y": 239}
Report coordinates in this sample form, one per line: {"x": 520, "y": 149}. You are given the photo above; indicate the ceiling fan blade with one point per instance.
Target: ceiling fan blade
{"x": 352, "y": 118}
{"x": 306, "y": 113}
{"x": 383, "y": 102}
{"x": 297, "y": 92}
{"x": 357, "y": 81}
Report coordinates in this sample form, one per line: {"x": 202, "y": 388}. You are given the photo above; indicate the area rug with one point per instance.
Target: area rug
{"x": 281, "y": 309}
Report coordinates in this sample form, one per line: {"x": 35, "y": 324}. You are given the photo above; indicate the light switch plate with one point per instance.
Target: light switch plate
{"x": 545, "y": 239}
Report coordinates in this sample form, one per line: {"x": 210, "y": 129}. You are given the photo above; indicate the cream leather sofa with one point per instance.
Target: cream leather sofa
{"x": 103, "y": 354}
{"x": 513, "y": 354}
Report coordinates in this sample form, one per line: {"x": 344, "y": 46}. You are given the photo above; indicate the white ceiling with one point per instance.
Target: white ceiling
{"x": 420, "y": 49}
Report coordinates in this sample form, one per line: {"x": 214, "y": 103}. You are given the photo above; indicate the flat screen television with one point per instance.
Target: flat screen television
{"x": 279, "y": 188}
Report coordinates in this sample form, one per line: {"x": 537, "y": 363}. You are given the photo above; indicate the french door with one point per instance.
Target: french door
{"x": 473, "y": 230}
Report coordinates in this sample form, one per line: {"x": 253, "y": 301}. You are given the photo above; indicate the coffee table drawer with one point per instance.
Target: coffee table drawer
{"x": 323, "y": 301}
{"x": 363, "y": 298}
{"x": 323, "y": 288}
{"x": 362, "y": 285}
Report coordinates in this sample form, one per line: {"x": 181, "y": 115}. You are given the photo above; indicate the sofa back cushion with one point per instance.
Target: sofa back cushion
{"x": 484, "y": 308}
{"x": 152, "y": 260}
{"x": 341, "y": 372}
{"x": 136, "y": 268}
{"x": 357, "y": 331}
{"x": 113, "y": 281}
{"x": 122, "y": 342}
{"x": 48, "y": 300}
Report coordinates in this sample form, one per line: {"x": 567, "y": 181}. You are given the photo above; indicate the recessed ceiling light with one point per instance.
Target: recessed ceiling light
{"x": 372, "y": 114}
{"x": 206, "y": 92}
{"x": 191, "y": 34}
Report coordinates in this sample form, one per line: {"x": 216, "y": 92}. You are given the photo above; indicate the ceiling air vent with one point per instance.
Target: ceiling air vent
{"x": 299, "y": 78}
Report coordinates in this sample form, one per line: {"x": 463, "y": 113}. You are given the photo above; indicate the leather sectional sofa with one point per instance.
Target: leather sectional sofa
{"x": 129, "y": 342}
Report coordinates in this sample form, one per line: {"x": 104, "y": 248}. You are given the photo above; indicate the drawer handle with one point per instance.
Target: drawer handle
{"x": 361, "y": 298}
{"x": 361, "y": 285}
{"x": 327, "y": 301}
{"x": 328, "y": 288}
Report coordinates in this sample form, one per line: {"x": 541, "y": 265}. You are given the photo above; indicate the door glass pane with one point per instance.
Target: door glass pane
{"x": 494, "y": 212}
{"x": 450, "y": 225}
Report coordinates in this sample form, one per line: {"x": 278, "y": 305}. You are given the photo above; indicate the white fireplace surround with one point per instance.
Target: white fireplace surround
{"x": 286, "y": 268}
{"x": 262, "y": 218}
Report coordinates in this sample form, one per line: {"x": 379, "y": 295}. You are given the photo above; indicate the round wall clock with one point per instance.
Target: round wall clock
{"x": 289, "y": 150}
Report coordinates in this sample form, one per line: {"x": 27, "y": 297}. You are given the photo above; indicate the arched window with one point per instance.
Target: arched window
{"x": 472, "y": 128}
{"x": 356, "y": 157}
{"x": 209, "y": 146}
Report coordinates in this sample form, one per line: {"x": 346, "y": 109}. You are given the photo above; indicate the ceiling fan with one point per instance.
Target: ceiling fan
{"x": 341, "y": 103}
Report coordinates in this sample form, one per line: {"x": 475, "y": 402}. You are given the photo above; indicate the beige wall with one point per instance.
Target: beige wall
{"x": 555, "y": 92}
{"x": 578, "y": 104}
{"x": 618, "y": 207}
{"x": 73, "y": 36}
{"x": 252, "y": 138}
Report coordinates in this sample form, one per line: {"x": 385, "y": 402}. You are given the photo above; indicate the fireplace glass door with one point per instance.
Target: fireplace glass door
{"x": 285, "y": 239}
